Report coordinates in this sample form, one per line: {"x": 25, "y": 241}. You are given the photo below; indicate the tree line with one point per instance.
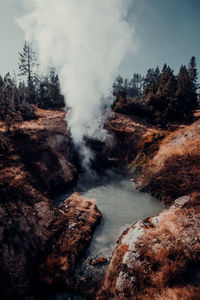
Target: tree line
{"x": 160, "y": 97}
{"x": 19, "y": 100}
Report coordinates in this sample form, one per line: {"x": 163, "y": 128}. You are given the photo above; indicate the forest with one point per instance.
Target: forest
{"x": 19, "y": 100}
{"x": 159, "y": 98}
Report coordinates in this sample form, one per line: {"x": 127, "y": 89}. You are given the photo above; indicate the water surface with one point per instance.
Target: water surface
{"x": 121, "y": 205}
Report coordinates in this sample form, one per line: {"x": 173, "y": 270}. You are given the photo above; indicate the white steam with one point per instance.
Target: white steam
{"x": 86, "y": 40}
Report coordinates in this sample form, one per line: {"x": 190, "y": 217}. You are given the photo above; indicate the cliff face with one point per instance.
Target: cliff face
{"x": 157, "y": 258}
{"x": 35, "y": 160}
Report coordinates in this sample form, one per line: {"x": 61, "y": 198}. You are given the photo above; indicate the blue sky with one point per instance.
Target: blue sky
{"x": 165, "y": 31}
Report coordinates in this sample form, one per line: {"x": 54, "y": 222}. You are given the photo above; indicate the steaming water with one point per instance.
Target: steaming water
{"x": 120, "y": 204}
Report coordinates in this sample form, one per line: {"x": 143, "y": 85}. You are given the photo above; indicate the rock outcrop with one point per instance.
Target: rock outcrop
{"x": 81, "y": 217}
{"x": 173, "y": 171}
{"x": 44, "y": 146}
{"x": 158, "y": 258}
{"x": 129, "y": 137}
{"x": 163, "y": 162}
{"x": 39, "y": 242}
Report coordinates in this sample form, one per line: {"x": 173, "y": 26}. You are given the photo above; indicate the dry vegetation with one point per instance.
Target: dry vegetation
{"x": 155, "y": 256}
{"x": 172, "y": 170}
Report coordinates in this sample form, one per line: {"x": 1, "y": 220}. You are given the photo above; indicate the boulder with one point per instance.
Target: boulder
{"x": 81, "y": 218}
{"x": 158, "y": 258}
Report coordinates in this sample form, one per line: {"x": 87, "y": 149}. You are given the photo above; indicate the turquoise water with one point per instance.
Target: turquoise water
{"x": 121, "y": 205}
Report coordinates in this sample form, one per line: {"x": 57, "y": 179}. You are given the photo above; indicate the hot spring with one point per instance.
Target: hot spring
{"x": 121, "y": 205}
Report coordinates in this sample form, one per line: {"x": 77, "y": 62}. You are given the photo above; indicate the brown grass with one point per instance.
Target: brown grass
{"x": 179, "y": 293}
{"x": 179, "y": 176}
{"x": 182, "y": 142}
{"x": 173, "y": 169}
{"x": 149, "y": 146}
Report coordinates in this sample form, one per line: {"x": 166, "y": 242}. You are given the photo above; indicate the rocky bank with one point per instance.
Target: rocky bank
{"x": 158, "y": 258}
{"x": 39, "y": 242}
{"x": 164, "y": 163}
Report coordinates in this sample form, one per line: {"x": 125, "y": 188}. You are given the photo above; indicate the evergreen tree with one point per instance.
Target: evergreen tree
{"x": 49, "y": 94}
{"x": 118, "y": 88}
{"x": 13, "y": 105}
{"x": 135, "y": 85}
{"x": 183, "y": 81}
{"x": 54, "y": 90}
{"x": 193, "y": 74}
{"x": 193, "y": 77}
{"x": 27, "y": 63}
{"x": 27, "y": 110}
{"x": 151, "y": 80}
{"x": 183, "y": 92}
{"x": 137, "y": 81}
{"x": 43, "y": 92}
{"x": 186, "y": 93}
{"x": 9, "y": 114}
{"x": 167, "y": 83}
{"x": 161, "y": 96}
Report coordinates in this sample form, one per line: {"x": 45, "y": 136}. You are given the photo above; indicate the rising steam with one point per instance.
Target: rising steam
{"x": 86, "y": 40}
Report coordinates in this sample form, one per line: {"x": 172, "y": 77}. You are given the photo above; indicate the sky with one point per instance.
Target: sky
{"x": 165, "y": 31}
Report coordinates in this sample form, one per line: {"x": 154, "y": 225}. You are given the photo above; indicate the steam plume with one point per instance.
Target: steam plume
{"x": 86, "y": 40}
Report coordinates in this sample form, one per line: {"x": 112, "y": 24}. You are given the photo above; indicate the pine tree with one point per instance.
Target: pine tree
{"x": 186, "y": 93}
{"x": 151, "y": 80}
{"x": 54, "y": 90}
{"x": 27, "y": 63}
{"x": 9, "y": 113}
{"x": 118, "y": 88}
{"x": 167, "y": 84}
{"x": 193, "y": 74}
{"x": 193, "y": 77}
{"x": 183, "y": 92}
{"x": 43, "y": 93}
{"x": 161, "y": 96}
{"x": 183, "y": 81}
{"x": 135, "y": 85}
{"x": 49, "y": 94}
